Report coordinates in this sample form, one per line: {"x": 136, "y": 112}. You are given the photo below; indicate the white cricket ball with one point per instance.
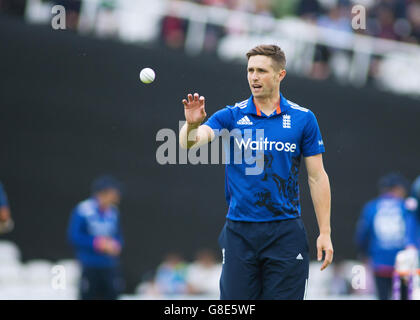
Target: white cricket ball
{"x": 147, "y": 75}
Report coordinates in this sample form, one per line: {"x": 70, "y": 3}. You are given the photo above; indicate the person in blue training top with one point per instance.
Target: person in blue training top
{"x": 386, "y": 227}
{"x": 264, "y": 243}
{"x": 6, "y": 222}
{"x": 95, "y": 232}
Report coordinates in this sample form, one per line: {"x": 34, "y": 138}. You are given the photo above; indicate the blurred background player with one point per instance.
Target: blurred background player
{"x": 6, "y": 222}
{"x": 386, "y": 227}
{"x": 96, "y": 235}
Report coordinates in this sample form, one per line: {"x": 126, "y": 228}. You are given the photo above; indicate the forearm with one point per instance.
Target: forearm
{"x": 195, "y": 136}
{"x": 321, "y": 199}
{"x": 188, "y": 135}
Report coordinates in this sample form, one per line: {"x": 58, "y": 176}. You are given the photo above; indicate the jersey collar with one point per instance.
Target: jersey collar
{"x": 389, "y": 195}
{"x": 252, "y": 108}
{"x": 102, "y": 212}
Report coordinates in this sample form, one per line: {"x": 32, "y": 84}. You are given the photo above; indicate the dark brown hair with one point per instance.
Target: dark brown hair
{"x": 269, "y": 50}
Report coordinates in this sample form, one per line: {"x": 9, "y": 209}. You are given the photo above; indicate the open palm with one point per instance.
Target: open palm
{"x": 194, "y": 108}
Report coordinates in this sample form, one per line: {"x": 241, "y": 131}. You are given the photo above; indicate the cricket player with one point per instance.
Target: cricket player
{"x": 95, "y": 232}
{"x": 264, "y": 243}
{"x": 385, "y": 227}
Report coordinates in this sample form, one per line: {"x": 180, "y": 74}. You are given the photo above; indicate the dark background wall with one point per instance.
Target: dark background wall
{"x": 72, "y": 108}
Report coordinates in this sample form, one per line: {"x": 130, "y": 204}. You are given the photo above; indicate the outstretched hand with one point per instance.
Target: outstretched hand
{"x": 194, "y": 109}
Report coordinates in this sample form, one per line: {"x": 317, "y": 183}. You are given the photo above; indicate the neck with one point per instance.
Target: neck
{"x": 103, "y": 207}
{"x": 393, "y": 194}
{"x": 101, "y": 204}
{"x": 268, "y": 104}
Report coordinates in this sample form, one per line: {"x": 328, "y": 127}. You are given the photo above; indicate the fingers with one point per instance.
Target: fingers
{"x": 319, "y": 253}
{"x": 201, "y": 102}
{"x": 187, "y": 103}
{"x": 328, "y": 258}
{"x": 193, "y": 99}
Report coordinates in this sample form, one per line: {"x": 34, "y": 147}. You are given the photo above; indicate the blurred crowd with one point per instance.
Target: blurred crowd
{"x": 174, "y": 276}
{"x": 397, "y": 20}
{"x": 388, "y": 19}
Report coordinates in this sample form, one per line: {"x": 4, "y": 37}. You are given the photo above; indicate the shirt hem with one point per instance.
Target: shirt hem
{"x": 260, "y": 220}
{"x": 313, "y": 153}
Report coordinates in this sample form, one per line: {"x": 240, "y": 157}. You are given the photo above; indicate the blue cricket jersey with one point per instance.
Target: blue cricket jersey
{"x": 263, "y": 154}
{"x": 3, "y": 197}
{"x": 86, "y": 223}
{"x": 384, "y": 228}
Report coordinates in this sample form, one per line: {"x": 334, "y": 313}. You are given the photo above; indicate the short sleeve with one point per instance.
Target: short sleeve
{"x": 220, "y": 120}
{"x": 3, "y": 197}
{"x": 312, "y": 142}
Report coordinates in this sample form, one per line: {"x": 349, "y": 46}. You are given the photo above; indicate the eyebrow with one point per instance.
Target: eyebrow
{"x": 259, "y": 69}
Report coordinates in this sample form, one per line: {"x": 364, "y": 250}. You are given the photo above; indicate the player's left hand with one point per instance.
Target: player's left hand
{"x": 324, "y": 244}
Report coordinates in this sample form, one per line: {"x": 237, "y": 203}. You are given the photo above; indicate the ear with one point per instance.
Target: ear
{"x": 282, "y": 74}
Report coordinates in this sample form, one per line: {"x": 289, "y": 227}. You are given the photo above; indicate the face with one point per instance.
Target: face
{"x": 400, "y": 191}
{"x": 264, "y": 80}
{"x": 108, "y": 197}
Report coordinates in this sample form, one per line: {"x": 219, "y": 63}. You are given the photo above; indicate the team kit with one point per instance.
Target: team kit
{"x": 263, "y": 242}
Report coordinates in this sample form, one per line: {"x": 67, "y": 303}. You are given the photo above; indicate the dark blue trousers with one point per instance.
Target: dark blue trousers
{"x": 264, "y": 260}
{"x": 100, "y": 283}
{"x": 383, "y": 287}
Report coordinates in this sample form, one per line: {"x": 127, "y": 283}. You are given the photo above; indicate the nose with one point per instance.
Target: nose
{"x": 254, "y": 76}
